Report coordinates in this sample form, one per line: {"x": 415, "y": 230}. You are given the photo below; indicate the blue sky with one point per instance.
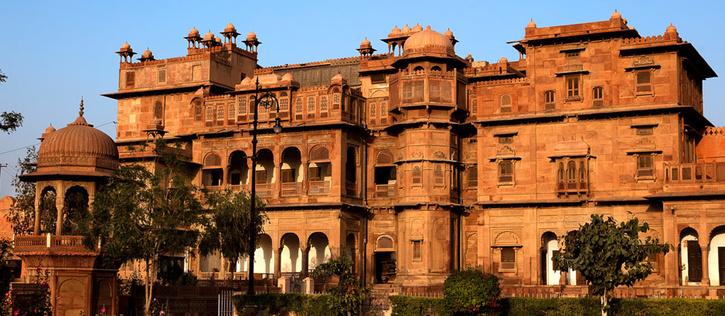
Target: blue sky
{"x": 55, "y": 52}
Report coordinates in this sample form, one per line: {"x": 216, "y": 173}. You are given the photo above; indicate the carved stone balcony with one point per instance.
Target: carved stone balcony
{"x": 706, "y": 177}
{"x": 264, "y": 189}
{"x": 319, "y": 187}
{"x": 690, "y": 173}
{"x": 50, "y": 244}
{"x": 291, "y": 188}
{"x": 385, "y": 190}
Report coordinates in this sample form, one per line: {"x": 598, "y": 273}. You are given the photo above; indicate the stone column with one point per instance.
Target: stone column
{"x": 36, "y": 223}
{"x": 278, "y": 263}
{"x": 705, "y": 269}
{"x": 305, "y": 168}
{"x": 59, "y": 203}
{"x": 305, "y": 261}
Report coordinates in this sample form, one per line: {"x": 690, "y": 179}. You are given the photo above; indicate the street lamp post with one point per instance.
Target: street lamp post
{"x": 268, "y": 100}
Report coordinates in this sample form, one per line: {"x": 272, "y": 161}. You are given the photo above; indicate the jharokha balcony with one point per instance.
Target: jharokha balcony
{"x": 50, "y": 244}
{"x": 694, "y": 176}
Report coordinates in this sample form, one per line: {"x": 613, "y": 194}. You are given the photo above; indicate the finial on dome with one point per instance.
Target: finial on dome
{"x": 81, "y": 108}
{"x": 417, "y": 27}
{"x": 531, "y": 24}
{"x": 615, "y": 15}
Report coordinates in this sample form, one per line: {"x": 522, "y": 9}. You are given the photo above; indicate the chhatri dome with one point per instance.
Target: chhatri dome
{"x": 78, "y": 149}
{"x": 428, "y": 41}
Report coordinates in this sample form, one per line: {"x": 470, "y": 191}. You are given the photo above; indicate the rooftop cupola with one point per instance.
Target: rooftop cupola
{"x": 147, "y": 55}
{"x": 366, "y": 48}
{"x": 126, "y": 53}
{"x": 230, "y": 34}
{"x": 252, "y": 43}
{"x": 193, "y": 38}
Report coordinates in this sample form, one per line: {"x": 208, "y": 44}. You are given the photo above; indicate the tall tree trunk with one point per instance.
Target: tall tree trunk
{"x": 604, "y": 300}
{"x": 149, "y": 287}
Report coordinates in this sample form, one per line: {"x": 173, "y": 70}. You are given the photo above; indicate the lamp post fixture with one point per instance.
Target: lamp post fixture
{"x": 268, "y": 100}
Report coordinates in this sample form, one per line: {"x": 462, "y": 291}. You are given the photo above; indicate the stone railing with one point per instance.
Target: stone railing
{"x": 710, "y": 172}
{"x": 47, "y": 243}
{"x": 291, "y": 188}
{"x": 319, "y": 187}
{"x": 384, "y": 190}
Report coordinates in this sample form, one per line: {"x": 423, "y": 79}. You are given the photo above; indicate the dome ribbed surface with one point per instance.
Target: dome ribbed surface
{"x": 428, "y": 41}
{"x": 78, "y": 145}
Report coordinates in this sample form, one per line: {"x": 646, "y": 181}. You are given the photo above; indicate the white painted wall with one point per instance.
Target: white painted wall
{"x": 683, "y": 258}
{"x": 712, "y": 259}
{"x": 552, "y": 276}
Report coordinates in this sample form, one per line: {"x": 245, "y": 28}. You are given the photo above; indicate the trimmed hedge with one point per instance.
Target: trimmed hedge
{"x": 517, "y": 306}
{"x": 416, "y": 306}
{"x": 282, "y": 304}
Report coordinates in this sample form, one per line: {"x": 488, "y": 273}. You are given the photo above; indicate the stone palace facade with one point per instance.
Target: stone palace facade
{"x": 417, "y": 162}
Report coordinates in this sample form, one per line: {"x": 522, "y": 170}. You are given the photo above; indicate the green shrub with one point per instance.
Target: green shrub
{"x": 282, "y": 304}
{"x": 518, "y": 306}
{"x": 416, "y": 306}
{"x": 470, "y": 291}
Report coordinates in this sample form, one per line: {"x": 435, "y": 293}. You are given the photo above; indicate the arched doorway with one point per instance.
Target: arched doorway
{"x": 319, "y": 250}
{"x": 384, "y": 257}
{"x": 690, "y": 256}
{"x": 291, "y": 257}
{"x": 291, "y": 175}
{"x": 549, "y": 247}
{"x": 238, "y": 168}
{"x": 75, "y": 209}
{"x": 48, "y": 211}
{"x": 716, "y": 257}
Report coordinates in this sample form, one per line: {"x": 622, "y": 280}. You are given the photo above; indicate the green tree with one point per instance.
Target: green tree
{"x": 348, "y": 295}
{"x": 227, "y": 224}
{"x": 470, "y": 292}
{"x": 22, "y": 213}
{"x": 9, "y": 121}
{"x": 140, "y": 215}
{"x": 608, "y": 254}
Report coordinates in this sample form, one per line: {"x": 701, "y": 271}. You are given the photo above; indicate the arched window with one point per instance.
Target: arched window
{"x": 383, "y": 112}
{"x": 582, "y": 175}
{"x": 320, "y": 170}
{"x": 323, "y": 106}
{"x": 416, "y": 176}
{"x": 212, "y": 173}
{"x": 283, "y": 102}
{"x": 242, "y": 107}
{"x": 439, "y": 178}
{"x": 560, "y": 177}
{"x": 435, "y": 69}
{"x": 311, "y": 107}
{"x": 505, "y": 103}
{"x": 197, "y": 110}
{"x": 298, "y": 108}
{"x": 571, "y": 174}
{"x": 385, "y": 174}
{"x": 418, "y": 70}
{"x": 336, "y": 98}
